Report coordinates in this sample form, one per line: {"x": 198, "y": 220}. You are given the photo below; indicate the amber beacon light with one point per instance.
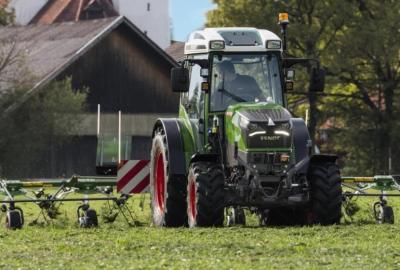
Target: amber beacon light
{"x": 283, "y": 18}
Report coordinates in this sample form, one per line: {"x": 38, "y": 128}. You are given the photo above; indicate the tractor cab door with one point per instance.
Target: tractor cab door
{"x": 193, "y": 102}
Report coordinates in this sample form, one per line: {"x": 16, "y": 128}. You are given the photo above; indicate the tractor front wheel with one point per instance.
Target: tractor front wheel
{"x": 168, "y": 193}
{"x": 205, "y": 195}
{"x": 326, "y": 193}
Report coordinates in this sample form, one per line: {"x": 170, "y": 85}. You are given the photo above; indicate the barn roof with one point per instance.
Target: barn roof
{"x": 49, "y": 49}
{"x": 73, "y": 10}
{"x": 177, "y": 50}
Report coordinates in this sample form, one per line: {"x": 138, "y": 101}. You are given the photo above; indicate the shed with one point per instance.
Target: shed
{"x": 123, "y": 69}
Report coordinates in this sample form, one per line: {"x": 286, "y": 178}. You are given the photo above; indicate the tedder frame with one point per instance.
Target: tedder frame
{"x": 35, "y": 191}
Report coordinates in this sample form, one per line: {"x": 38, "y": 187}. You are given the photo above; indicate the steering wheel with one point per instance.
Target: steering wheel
{"x": 247, "y": 97}
{"x": 243, "y": 97}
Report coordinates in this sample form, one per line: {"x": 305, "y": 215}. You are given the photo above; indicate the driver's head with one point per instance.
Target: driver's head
{"x": 227, "y": 70}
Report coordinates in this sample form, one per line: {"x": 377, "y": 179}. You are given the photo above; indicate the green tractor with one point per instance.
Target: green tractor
{"x": 235, "y": 146}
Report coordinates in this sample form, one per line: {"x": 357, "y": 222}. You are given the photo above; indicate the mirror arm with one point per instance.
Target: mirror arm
{"x": 203, "y": 63}
{"x": 289, "y": 62}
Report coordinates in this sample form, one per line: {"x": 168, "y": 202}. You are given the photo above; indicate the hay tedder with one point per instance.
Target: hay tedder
{"x": 49, "y": 203}
{"x": 49, "y": 195}
{"x": 382, "y": 186}
{"x": 101, "y": 189}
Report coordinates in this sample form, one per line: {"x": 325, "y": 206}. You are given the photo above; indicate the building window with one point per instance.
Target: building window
{"x": 148, "y": 6}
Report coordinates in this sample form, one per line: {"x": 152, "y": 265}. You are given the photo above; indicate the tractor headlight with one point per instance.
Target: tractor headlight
{"x": 282, "y": 132}
{"x": 246, "y": 124}
{"x": 285, "y": 125}
{"x": 274, "y": 44}
{"x": 282, "y": 129}
{"x": 217, "y": 44}
{"x": 252, "y": 126}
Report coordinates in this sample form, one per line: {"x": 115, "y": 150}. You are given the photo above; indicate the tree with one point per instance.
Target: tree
{"x": 45, "y": 120}
{"x": 368, "y": 58}
{"x": 6, "y": 16}
{"x": 356, "y": 41}
{"x": 29, "y": 124}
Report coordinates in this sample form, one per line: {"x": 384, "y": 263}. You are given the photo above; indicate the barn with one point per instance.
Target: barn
{"x": 124, "y": 71}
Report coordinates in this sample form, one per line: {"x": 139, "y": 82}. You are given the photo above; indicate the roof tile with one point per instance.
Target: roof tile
{"x": 74, "y": 10}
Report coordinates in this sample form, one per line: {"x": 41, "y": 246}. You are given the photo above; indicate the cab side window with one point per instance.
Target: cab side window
{"x": 196, "y": 96}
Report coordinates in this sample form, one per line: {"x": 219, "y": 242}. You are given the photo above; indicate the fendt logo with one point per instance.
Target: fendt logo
{"x": 269, "y": 138}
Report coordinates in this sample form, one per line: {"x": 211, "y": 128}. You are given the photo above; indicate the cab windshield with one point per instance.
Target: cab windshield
{"x": 244, "y": 78}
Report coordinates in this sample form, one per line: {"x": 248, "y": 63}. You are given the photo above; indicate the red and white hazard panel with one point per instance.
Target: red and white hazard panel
{"x": 133, "y": 176}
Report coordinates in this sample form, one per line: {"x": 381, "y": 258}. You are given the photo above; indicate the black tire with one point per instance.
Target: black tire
{"x": 205, "y": 199}
{"x": 14, "y": 219}
{"x": 168, "y": 193}
{"x": 236, "y": 216}
{"x": 240, "y": 216}
{"x": 92, "y": 220}
{"x": 326, "y": 193}
{"x": 388, "y": 215}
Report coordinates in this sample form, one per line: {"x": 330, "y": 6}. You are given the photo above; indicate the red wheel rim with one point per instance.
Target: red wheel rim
{"x": 192, "y": 199}
{"x": 160, "y": 181}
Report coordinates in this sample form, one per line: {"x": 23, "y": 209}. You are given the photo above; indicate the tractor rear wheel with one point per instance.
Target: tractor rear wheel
{"x": 168, "y": 193}
{"x": 205, "y": 199}
{"x": 326, "y": 193}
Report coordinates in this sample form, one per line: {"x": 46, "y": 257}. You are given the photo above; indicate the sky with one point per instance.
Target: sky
{"x": 187, "y": 16}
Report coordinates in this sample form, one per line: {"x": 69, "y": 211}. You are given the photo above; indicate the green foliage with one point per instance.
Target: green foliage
{"x": 367, "y": 56}
{"x": 6, "y": 16}
{"x": 45, "y": 119}
{"x": 357, "y": 42}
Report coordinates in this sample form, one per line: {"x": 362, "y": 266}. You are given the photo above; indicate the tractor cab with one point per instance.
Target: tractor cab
{"x": 226, "y": 67}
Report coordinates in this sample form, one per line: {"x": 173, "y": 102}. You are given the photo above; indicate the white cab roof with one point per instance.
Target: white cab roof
{"x": 237, "y": 39}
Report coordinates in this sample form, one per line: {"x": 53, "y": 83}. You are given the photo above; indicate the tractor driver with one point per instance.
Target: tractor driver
{"x": 233, "y": 88}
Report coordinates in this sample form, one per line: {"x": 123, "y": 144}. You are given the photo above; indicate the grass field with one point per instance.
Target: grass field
{"x": 359, "y": 245}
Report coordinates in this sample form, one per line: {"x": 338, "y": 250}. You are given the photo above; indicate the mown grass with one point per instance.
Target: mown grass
{"x": 359, "y": 245}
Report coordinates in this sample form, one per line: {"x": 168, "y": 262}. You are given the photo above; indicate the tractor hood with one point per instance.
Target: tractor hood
{"x": 278, "y": 114}
{"x": 258, "y": 126}
{"x": 257, "y": 113}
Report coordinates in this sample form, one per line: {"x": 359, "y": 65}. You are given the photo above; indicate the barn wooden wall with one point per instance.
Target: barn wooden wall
{"x": 123, "y": 73}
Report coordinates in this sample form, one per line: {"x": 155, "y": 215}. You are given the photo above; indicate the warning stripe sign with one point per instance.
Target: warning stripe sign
{"x": 133, "y": 176}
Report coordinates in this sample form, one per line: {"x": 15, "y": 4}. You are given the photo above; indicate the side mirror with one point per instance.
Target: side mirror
{"x": 289, "y": 78}
{"x": 180, "y": 79}
{"x": 290, "y": 74}
{"x": 204, "y": 72}
{"x": 289, "y": 86}
{"x": 317, "y": 80}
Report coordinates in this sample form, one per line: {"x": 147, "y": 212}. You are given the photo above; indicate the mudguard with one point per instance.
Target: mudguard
{"x": 301, "y": 139}
{"x": 302, "y": 166}
{"x": 176, "y": 156}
